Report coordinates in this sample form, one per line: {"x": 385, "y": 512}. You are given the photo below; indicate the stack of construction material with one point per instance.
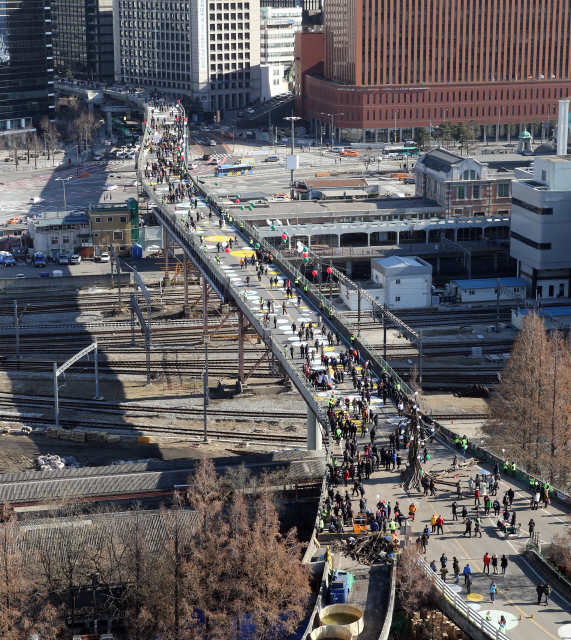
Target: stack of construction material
{"x": 78, "y": 435}
{"x": 113, "y": 438}
{"x": 103, "y": 436}
{"x": 91, "y": 436}
{"x": 53, "y": 432}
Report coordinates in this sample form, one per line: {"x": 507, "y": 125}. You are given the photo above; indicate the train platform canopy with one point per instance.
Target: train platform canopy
{"x": 154, "y": 477}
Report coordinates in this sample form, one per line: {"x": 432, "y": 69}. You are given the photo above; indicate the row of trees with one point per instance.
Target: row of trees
{"x": 532, "y": 406}
{"x": 466, "y": 133}
{"x": 208, "y": 569}
{"x": 73, "y": 122}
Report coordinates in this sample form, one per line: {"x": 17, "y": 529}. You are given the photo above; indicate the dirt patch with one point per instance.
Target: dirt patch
{"x": 448, "y": 403}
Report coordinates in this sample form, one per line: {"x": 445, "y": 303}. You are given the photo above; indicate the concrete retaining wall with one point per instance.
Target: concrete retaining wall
{"x": 65, "y": 282}
{"x": 391, "y": 605}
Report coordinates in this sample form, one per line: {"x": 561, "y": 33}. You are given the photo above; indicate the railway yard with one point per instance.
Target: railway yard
{"x": 167, "y": 414}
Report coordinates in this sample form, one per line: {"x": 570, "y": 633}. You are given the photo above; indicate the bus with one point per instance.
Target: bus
{"x": 232, "y": 170}
{"x": 402, "y": 151}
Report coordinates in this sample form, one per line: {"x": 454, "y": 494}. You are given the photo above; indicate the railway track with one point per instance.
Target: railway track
{"x": 134, "y": 410}
{"x": 185, "y": 432}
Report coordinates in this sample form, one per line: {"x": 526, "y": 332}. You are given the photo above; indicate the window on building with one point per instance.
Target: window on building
{"x": 397, "y": 281}
{"x": 65, "y": 239}
{"x": 110, "y": 219}
{"x": 471, "y": 293}
{"x": 97, "y": 219}
{"x": 55, "y": 240}
{"x": 461, "y": 193}
{"x": 122, "y": 218}
{"x": 96, "y": 235}
{"x": 397, "y": 299}
{"x": 544, "y": 175}
{"x": 117, "y": 235}
{"x": 476, "y": 191}
{"x": 503, "y": 191}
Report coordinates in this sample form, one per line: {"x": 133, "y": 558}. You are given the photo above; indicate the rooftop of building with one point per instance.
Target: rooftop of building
{"x": 402, "y": 265}
{"x": 74, "y": 218}
{"x": 324, "y": 183}
{"x": 489, "y": 283}
{"x": 441, "y": 160}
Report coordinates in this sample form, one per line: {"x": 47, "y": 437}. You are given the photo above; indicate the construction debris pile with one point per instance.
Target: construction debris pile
{"x": 370, "y": 548}
{"x": 434, "y": 625}
{"x": 80, "y": 435}
{"x": 55, "y": 463}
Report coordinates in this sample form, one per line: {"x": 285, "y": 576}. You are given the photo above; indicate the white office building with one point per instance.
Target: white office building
{"x": 207, "y": 50}
{"x": 278, "y": 27}
{"x": 541, "y": 227}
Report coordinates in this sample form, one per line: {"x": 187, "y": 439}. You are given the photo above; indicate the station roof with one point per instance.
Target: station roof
{"x": 328, "y": 183}
{"x": 489, "y": 283}
{"x": 440, "y": 160}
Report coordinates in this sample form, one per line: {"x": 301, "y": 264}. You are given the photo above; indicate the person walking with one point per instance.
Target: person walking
{"x": 493, "y": 589}
{"x": 467, "y": 572}
{"x": 495, "y": 562}
{"x": 456, "y": 569}
{"x": 504, "y": 564}
{"x": 547, "y": 592}
{"x": 469, "y": 583}
{"x": 540, "y": 589}
{"x": 468, "y": 528}
{"x": 476, "y": 497}
{"x": 454, "y": 511}
{"x": 487, "y": 560}
{"x": 531, "y": 525}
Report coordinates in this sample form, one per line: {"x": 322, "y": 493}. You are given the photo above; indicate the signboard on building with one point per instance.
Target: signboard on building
{"x": 202, "y": 36}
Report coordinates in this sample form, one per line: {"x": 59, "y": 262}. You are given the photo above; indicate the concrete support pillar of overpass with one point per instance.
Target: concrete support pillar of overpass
{"x": 241, "y": 346}
{"x": 438, "y": 265}
{"x": 185, "y": 265}
{"x": 166, "y": 248}
{"x": 204, "y": 306}
{"x": 109, "y": 124}
{"x": 313, "y": 432}
{"x": 349, "y": 268}
{"x": 90, "y": 107}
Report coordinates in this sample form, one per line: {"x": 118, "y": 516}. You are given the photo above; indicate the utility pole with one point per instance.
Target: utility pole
{"x": 358, "y": 311}
{"x": 293, "y": 120}
{"x": 384, "y": 336}
{"x": 420, "y": 358}
{"x": 16, "y": 326}
{"x": 498, "y": 293}
{"x": 56, "y": 403}
{"x": 331, "y": 283}
{"x": 205, "y": 385}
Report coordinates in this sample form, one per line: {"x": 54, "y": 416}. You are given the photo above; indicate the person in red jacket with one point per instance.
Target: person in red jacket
{"x": 476, "y": 497}
{"x": 487, "y": 560}
{"x": 440, "y": 525}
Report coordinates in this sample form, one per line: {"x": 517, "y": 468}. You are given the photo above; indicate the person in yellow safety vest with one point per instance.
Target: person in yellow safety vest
{"x": 305, "y": 287}
{"x": 457, "y": 442}
{"x": 330, "y": 313}
{"x": 296, "y": 282}
{"x": 392, "y": 525}
{"x": 506, "y": 467}
{"x": 433, "y": 522}
{"x": 352, "y": 337}
{"x": 513, "y": 468}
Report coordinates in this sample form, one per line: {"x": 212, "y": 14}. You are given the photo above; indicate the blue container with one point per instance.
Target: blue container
{"x": 44, "y": 274}
{"x": 137, "y": 251}
{"x": 337, "y": 597}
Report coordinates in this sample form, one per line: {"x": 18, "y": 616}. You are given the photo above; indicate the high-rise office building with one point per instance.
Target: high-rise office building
{"x": 207, "y": 50}
{"x": 26, "y": 65}
{"x": 277, "y": 40}
{"x": 82, "y": 34}
{"x": 396, "y": 65}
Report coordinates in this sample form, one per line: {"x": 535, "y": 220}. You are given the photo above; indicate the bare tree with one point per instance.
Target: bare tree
{"x": 412, "y": 585}
{"x": 34, "y": 145}
{"x": 278, "y": 581}
{"x": 531, "y": 407}
{"x": 51, "y": 135}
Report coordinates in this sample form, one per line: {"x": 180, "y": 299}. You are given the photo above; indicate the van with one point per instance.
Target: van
{"x": 247, "y": 161}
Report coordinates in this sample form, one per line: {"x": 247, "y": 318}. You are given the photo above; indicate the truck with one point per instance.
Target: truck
{"x": 7, "y": 259}
{"x": 39, "y": 259}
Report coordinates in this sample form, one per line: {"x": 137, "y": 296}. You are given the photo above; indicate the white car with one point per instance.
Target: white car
{"x": 110, "y": 187}
{"x": 130, "y": 155}
{"x": 134, "y": 183}
{"x": 62, "y": 259}
{"x": 98, "y": 157}
{"x": 105, "y": 257}
{"x": 212, "y": 143}
{"x": 249, "y": 110}
{"x": 120, "y": 155}
{"x": 75, "y": 259}
{"x": 193, "y": 165}
{"x": 37, "y": 200}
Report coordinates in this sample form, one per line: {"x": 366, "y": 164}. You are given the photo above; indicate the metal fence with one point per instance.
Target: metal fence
{"x": 473, "y": 617}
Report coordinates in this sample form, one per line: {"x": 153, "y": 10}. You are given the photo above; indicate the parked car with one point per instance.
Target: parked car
{"x": 105, "y": 257}
{"x": 62, "y": 259}
{"x": 272, "y": 159}
{"x": 37, "y": 200}
{"x": 250, "y": 110}
{"x": 75, "y": 259}
{"x": 409, "y": 181}
{"x": 14, "y": 220}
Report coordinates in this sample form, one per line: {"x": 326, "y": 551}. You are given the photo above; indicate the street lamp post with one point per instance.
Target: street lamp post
{"x": 293, "y": 120}
{"x": 63, "y": 181}
{"x": 332, "y": 115}
{"x": 396, "y": 112}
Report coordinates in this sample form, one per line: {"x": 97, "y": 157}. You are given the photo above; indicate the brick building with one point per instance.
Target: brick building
{"x": 463, "y": 185}
{"x": 392, "y": 65}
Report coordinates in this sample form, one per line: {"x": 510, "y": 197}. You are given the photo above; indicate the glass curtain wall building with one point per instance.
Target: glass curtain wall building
{"x": 26, "y": 64}
{"x": 83, "y": 39}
